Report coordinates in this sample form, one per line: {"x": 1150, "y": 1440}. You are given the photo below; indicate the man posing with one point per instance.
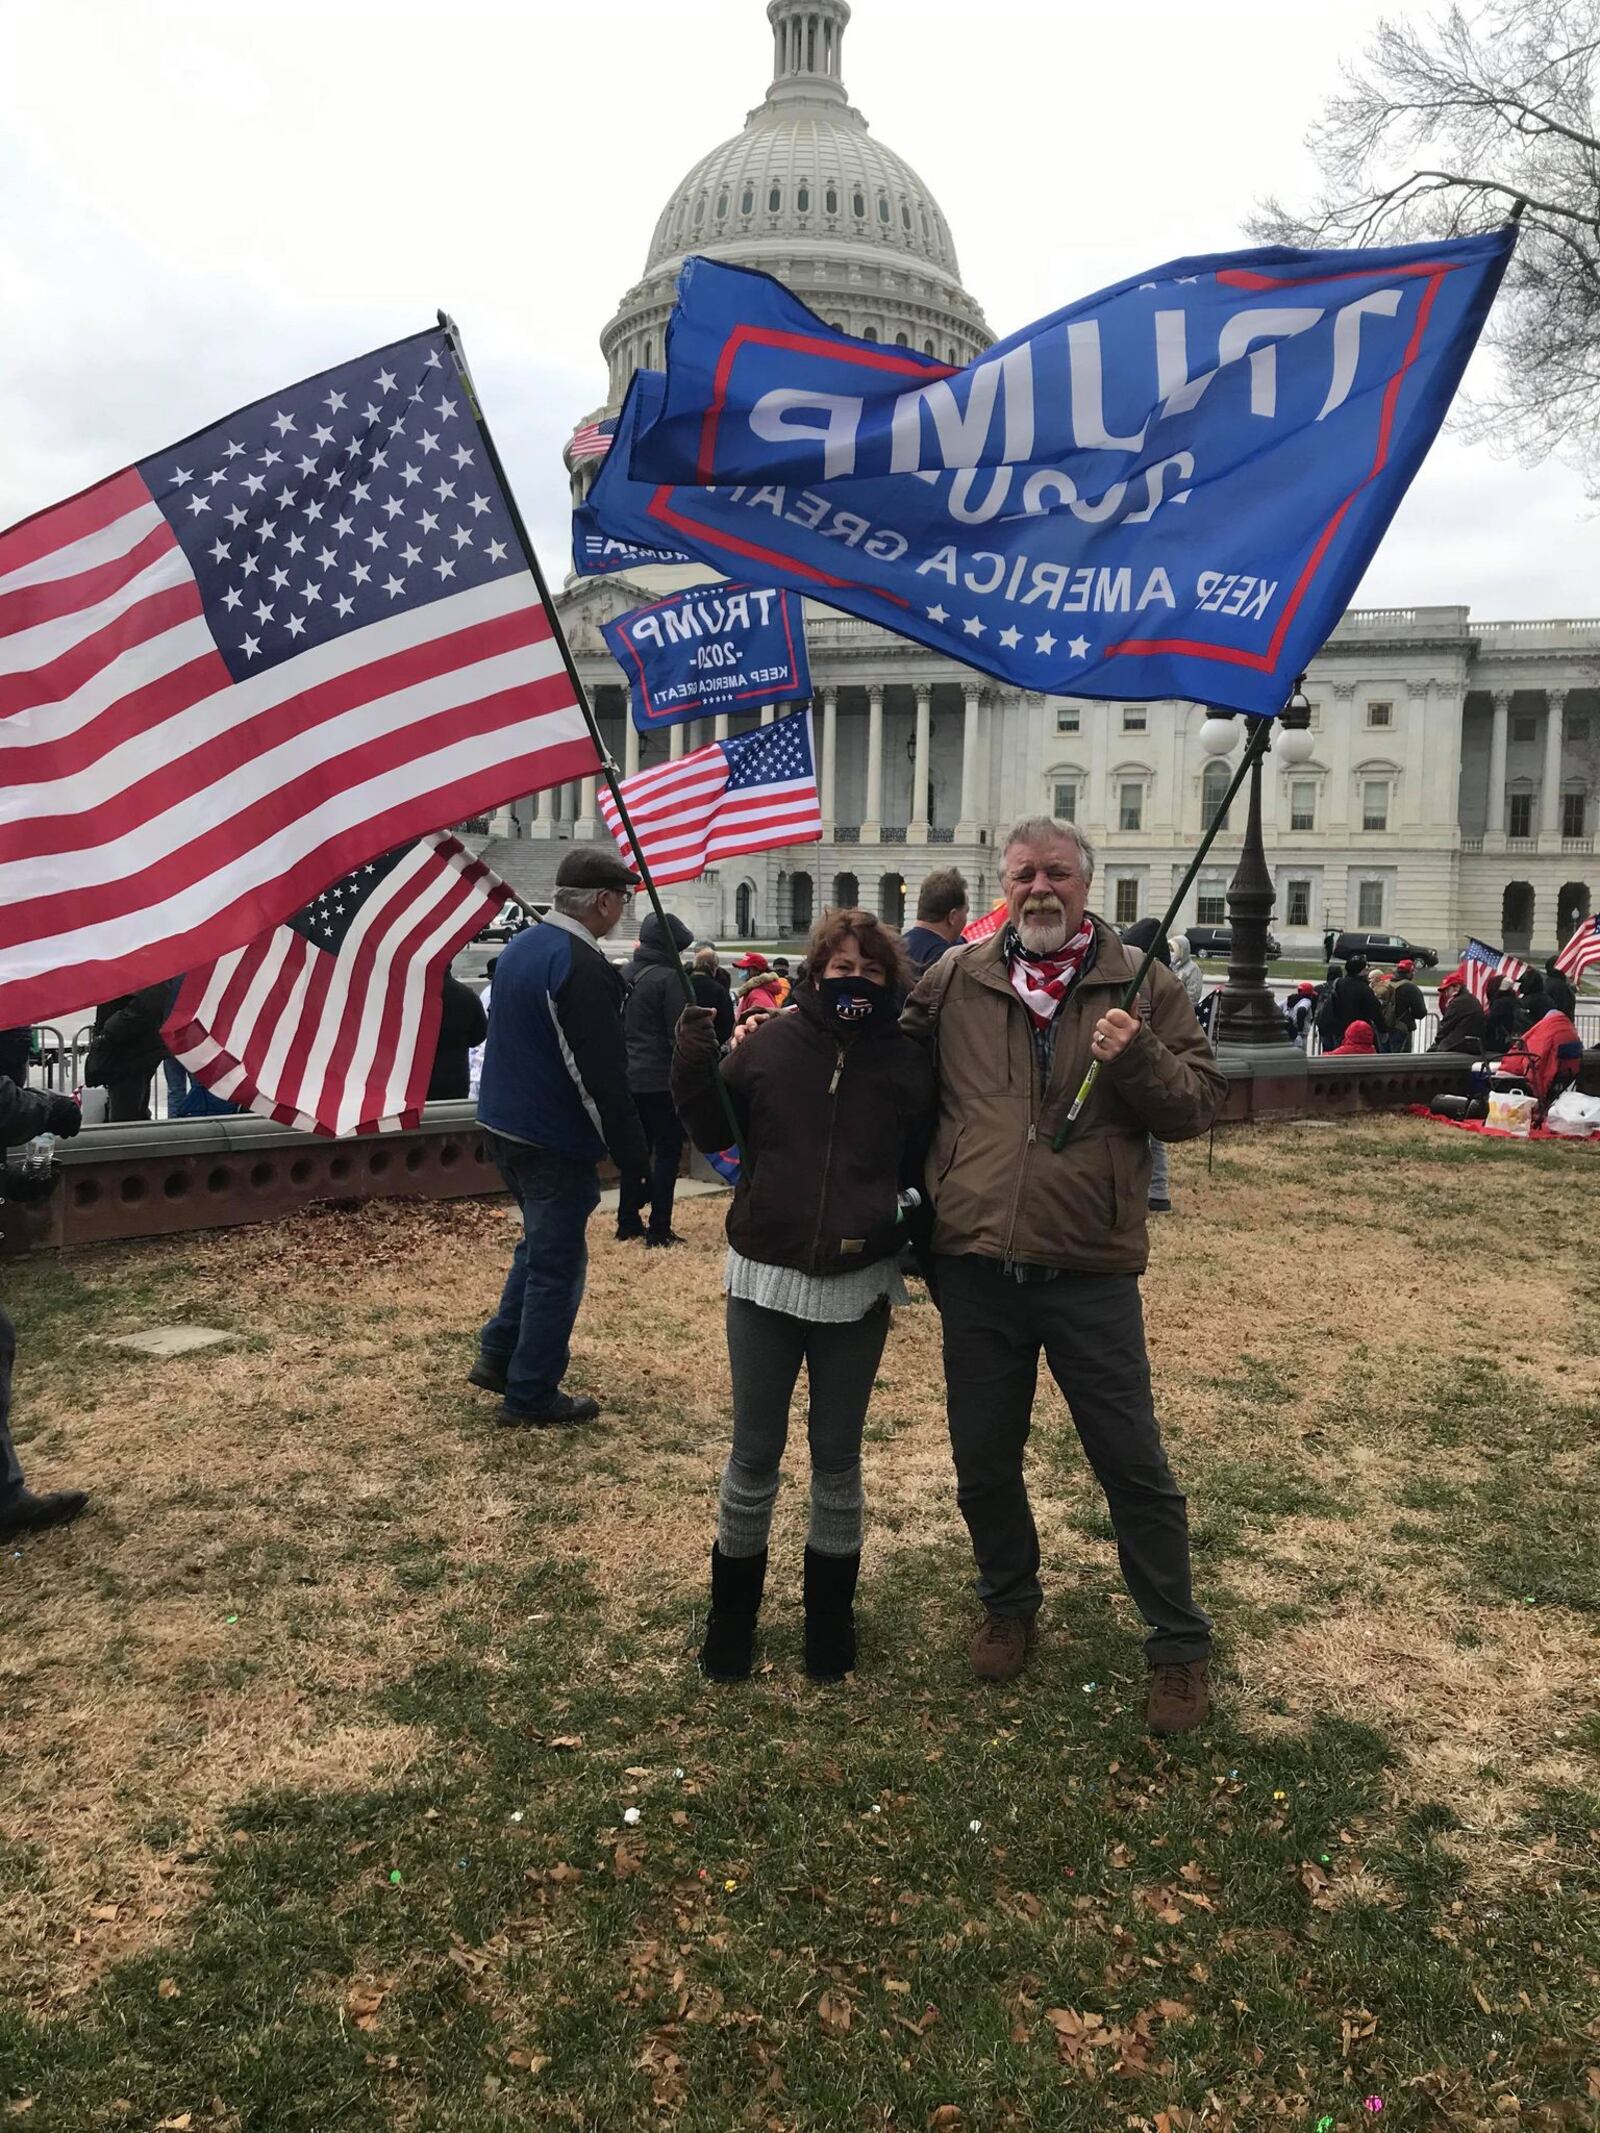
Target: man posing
{"x": 554, "y": 1097}
{"x": 941, "y": 917}
{"x": 1037, "y": 1249}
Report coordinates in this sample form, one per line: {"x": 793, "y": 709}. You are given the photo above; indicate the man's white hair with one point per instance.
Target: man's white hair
{"x": 1038, "y": 829}
{"x": 574, "y": 903}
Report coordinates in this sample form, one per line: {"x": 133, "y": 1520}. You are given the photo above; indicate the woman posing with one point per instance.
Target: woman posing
{"x": 835, "y": 1110}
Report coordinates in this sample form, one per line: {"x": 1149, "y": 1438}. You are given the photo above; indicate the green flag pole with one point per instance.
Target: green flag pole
{"x": 608, "y": 764}
{"x": 1260, "y": 740}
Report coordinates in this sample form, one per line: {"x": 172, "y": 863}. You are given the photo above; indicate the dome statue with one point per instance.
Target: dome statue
{"x": 807, "y": 194}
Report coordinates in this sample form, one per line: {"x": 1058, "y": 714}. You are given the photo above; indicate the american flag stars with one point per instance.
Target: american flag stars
{"x": 311, "y": 492}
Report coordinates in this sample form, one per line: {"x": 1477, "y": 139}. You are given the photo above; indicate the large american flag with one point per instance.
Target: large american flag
{"x": 1479, "y": 963}
{"x": 746, "y": 794}
{"x": 593, "y": 441}
{"x": 234, "y": 672}
{"x": 329, "y": 1022}
{"x": 1582, "y": 951}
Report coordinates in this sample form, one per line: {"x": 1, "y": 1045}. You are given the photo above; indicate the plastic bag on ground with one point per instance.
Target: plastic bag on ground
{"x": 1573, "y": 1116}
{"x": 1511, "y": 1111}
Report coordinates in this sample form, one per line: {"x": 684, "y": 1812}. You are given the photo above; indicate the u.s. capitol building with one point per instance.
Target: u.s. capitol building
{"x": 1453, "y": 786}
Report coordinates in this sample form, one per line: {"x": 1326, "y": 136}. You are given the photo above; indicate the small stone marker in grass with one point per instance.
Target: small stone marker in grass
{"x": 166, "y": 1341}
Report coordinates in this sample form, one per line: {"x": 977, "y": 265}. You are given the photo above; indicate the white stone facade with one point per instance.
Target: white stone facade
{"x": 1455, "y": 780}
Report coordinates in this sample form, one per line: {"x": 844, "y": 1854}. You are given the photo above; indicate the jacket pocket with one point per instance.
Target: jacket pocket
{"x": 1130, "y": 1181}
{"x": 946, "y": 1162}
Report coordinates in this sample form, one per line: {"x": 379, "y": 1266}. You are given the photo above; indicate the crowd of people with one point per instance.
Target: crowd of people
{"x": 1358, "y": 1011}
{"x": 883, "y": 1115}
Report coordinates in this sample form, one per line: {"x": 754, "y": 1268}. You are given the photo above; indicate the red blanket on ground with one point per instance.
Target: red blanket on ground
{"x": 1482, "y": 1125}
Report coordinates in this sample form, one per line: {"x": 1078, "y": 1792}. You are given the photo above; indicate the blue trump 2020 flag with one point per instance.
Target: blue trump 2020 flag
{"x": 1169, "y": 489}
{"x": 712, "y": 648}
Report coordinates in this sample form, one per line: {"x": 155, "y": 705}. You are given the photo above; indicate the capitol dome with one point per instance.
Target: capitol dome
{"x": 807, "y": 194}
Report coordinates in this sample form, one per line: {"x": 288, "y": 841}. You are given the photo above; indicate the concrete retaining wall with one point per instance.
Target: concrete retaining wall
{"x": 167, "y": 1176}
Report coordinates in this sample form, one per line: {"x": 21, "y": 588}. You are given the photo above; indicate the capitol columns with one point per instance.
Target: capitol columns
{"x": 873, "y": 822}
{"x": 544, "y": 820}
{"x": 917, "y": 832}
{"x": 630, "y": 744}
{"x": 967, "y": 827}
{"x": 1550, "y": 783}
{"x": 830, "y": 755}
{"x": 1496, "y": 803}
{"x": 1495, "y": 815}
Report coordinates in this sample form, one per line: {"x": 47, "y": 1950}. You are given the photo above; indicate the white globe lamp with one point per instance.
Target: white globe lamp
{"x": 1218, "y": 735}
{"x": 1295, "y": 745}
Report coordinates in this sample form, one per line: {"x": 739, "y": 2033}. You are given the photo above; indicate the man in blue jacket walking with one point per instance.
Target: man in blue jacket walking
{"x": 553, "y": 1099}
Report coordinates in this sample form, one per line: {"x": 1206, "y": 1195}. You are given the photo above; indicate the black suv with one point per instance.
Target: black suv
{"x": 1214, "y": 943}
{"x": 1377, "y": 948}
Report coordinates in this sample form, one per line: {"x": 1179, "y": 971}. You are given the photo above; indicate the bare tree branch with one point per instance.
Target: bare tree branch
{"x": 1439, "y": 128}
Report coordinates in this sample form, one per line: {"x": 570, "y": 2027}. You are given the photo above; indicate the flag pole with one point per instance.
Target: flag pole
{"x": 1257, "y": 746}
{"x": 608, "y": 764}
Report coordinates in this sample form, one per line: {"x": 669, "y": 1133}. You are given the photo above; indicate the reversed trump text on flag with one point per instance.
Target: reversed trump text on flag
{"x": 713, "y": 648}
{"x": 1171, "y": 488}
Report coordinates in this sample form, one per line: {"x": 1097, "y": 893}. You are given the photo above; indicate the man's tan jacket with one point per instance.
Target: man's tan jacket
{"x": 997, "y": 1186}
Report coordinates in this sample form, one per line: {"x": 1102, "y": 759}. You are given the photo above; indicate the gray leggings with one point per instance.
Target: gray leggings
{"x": 766, "y": 1349}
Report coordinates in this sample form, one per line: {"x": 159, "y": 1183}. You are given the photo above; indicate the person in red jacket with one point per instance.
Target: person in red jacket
{"x": 1547, "y": 1057}
{"x": 1358, "y": 1038}
{"x": 763, "y": 991}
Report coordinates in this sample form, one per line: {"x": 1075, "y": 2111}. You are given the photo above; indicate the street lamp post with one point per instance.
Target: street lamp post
{"x": 1248, "y": 1016}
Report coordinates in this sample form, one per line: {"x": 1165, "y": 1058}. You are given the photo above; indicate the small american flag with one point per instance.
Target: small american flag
{"x": 1479, "y": 963}
{"x": 329, "y": 1022}
{"x": 593, "y": 441}
{"x": 747, "y": 794}
{"x": 1582, "y": 951}
{"x": 234, "y": 672}
{"x": 991, "y": 922}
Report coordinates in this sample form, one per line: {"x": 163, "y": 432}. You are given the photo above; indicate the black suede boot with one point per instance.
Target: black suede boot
{"x": 737, "y": 1582}
{"x": 830, "y": 1589}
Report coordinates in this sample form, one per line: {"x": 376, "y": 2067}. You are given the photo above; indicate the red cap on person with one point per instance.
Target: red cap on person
{"x": 751, "y": 961}
{"x": 1404, "y": 967}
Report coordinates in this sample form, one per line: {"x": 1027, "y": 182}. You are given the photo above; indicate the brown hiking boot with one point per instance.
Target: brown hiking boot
{"x": 1002, "y": 1644}
{"x": 1179, "y": 1697}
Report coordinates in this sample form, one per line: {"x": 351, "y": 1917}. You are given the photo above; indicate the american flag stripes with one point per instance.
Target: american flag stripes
{"x": 593, "y": 441}
{"x": 1479, "y": 963}
{"x": 1582, "y": 952}
{"x": 991, "y": 922}
{"x": 329, "y": 1021}
{"x": 237, "y": 671}
{"x": 746, "y": 794}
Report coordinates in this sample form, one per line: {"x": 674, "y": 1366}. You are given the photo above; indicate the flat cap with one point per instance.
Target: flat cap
{"x": 593, "y": 866}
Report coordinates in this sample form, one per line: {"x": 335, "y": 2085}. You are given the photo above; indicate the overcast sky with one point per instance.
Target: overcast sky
{"x": 203, "y": 202}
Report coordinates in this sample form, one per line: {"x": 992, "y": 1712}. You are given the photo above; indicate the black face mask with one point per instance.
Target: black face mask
{"x": 854, "y": 1002}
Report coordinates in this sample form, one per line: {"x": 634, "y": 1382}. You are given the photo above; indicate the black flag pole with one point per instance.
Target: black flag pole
{"x": 608, "y": 764}
{"x": 1260, "y": 738}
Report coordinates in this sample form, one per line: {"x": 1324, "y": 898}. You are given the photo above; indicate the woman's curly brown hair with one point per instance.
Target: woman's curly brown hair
{"x": 878, "y": 943}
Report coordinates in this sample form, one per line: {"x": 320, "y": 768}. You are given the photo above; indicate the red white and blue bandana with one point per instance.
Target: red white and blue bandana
{"x": 1042, "y": 982}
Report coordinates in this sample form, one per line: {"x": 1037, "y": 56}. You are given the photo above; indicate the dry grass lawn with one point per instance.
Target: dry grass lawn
{"x": 318, "y": 1589}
